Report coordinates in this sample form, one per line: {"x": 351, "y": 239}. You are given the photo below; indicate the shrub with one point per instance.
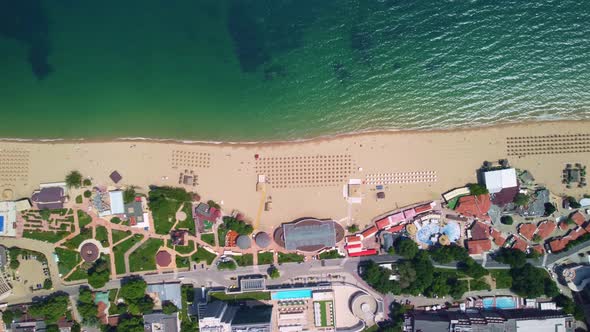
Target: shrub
{"x": 507, "y": 220}
{"x": 353, "y": 228}
{"x": 273, "y": 272}
{"x": 74, "y": 179}
{"x": 549, "y": 209}
{"x": 87, "y": 193}
{"x": 79, "y": 199}
{"x": 537, "y": 238}
{"x": 573, "y": 202}
{"x": 47, "y": 284}
{"x": 521, "y": 199}
{"x": 169, "y": 308}
{"x": 477, "y": 189}
{"x": 87, "y": 182}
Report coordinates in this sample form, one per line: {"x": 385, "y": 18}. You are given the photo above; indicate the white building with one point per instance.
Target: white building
{"x": 7, "y": 218}
{"x": 117, "y": 204}
{"x": 500, "y": 179}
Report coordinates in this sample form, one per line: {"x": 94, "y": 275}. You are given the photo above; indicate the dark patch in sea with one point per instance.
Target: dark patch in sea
{"x": 27, "y": 22}
{"x": 342, "y": 74}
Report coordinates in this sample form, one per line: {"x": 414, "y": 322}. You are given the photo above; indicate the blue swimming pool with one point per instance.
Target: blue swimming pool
{"x": 505, "y": 302}
{"x": 292, "y": 294}
{"x": 1, "y": 224}
{"x": 502, "y": 302}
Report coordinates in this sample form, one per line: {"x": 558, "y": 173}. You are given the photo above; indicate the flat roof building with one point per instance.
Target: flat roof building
{"x": 7, "y": 218}
{"x": 117, "y": 203}
{"x": 160, "y": 322}
{"x": 500, "y": 179}
{"x": 309, "y": 235}
{"x": 220, "y": 316}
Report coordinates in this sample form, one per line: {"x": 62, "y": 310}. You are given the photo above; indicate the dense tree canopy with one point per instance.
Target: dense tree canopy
{"x": 51, "y": 308}
{"x": 512, "y": 257}
{"x": 447, "y": 254}
{"x": 169, "y": 308}
{"x": 86, "y": 307}
{"x": 129, "y": 323}
{"x": 472, "y": 268}
{"x": 74, "y": 179}
{"x": 406, "y": 247}
{"x": 530, "y": 282}
{"x": 99, "y": 273}
{"x": 133, "y": 288}
{"x": 238, "y": 226}
{"x": 477, "y": 189}
{"x": 521, "y": 199}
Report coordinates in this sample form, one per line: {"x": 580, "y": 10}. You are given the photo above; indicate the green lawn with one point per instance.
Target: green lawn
{"x": 221, "y": 232}
{"x": 244, "y": 260}
{"x": 288, "y": 258}
{"x": 221, "y": 296}
{"x": 79, "y": 274}
{"x": 229, "y": 265}
{"x": 121, "y": 249}
{"x": 183, "y": 261}
{"x": 74, "y": 243}
{"x": 324, "y": 313}
{"x": 502, "y": 277}
{"x": 45, "y": 236}
{"x": 102, "y": 236}
{"x": 265, "y": 258}
{"x": 83, "y": 218}
{"x": 332, "y": 254}
{"x": 203, "y": 255}
{"x": 190, "y": 246}
{"x": 144, "y": 258}
{"x": 164, "y": 202}
{"x": 68, "y": 259}
{"x": 208, "y": 238}
{"x": 119, "y": 235}
{"x": 188, "y": 223}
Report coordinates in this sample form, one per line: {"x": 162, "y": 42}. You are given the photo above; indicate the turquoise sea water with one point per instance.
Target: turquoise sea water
{"x": 249, "y": 70}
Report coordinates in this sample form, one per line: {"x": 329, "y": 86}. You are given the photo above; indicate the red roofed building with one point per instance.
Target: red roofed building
{"x": 499, "y": 240}
{"x": 545, "y": 228}
{"x": 527, "y": 230}
{"x": 474, "y": 206}
{"x": 576, "y": 233}
{"x": 368, "y": 252}
{"x": 397, "y": 228}
{"x": 383, "y": 223}
{"x": 369, "y": 232}
{"x": 563, "y": 225}
{"x": 423, "y": 208}
{"x": 409, "y": 214}
{"x": 559, "y": 244}
{"x": 479, "y": 231}
{"x": 477, "y": 247}
{"x": 519, "y": 244}
{"x": 353, "y": 239}
{"x": 397, "y": 218}
{"x": 539, "y": 248}
{"x": 353, "y": 246}
{"x": 578, "y": 218}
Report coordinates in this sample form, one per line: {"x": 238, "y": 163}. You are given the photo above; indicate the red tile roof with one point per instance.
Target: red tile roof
{"x": 539, "y": 248}
{"x": 546, "y": 228}
{"x": 477, "y": 247}
{"x": 578, "y": 218}
{"x": 480, "y": 231}
{"x": 474, "y": 206}
{"x": 527, "y": 230}
{"x": 576, "y": 233}
{"x": 367, "y": 252}
{"x": 397, "y": 218}
{"x": 519, "y": 244}
{"x": 423, "y": 208}
{"x": 367, "y": 233}
{"x": 352, "y": 246}
{"x": 396, "y": 229}
{"x": 498, "y": 238}
{"x": 558, "y": 245}
{"x": 353, "y": 238}
{"x": 563, "y": 225}
{"x": 382, "y": 223}
{"x": 409, "y": 213}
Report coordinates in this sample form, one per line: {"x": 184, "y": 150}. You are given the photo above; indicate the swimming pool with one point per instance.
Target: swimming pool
{"x": 505, "y": 302}
{"x": 502, "y": 302}
{"x": 1, "y": 224}
{"x": 452, "y": 230}
{"x": 292, "y": 294}
{"x": 426, "y": 232}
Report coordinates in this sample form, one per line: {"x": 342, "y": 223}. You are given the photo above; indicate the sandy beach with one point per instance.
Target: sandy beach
{"x": 308, "y": 178}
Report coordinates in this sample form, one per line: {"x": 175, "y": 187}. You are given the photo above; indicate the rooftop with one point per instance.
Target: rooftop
{"x": 527, "y": 230}
{"x": 474, "y": 206}
{"x": 160, "y": 322}
{"x": 545, "y": 228}
{"x": 500, "y": 179}
{"x": 310, "y": 234}
{"x": 477, "y": 247}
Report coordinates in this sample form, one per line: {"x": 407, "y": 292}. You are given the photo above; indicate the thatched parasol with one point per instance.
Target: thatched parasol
{"x": 411, "y": 229}
{"x": 444, "y": 240}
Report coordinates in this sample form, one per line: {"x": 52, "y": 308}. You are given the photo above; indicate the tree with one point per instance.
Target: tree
{"x": 52, "y": 328}
{"x": 353, "y": 228}
{"x": 477, "y": 189}
{"x": 169, "y": 308}
{"x": 273, "y": 272}
{"x": 521, "y": 199}
{"x": 528, "y": 281}
{"x": 129, "y": 195}
{"x": 573, "y": 202}
{"x": 549, "y": 209}
{"x": 424, "y": 273}
{"x": 407, "y": 274}
{"x": 87, "y": 193}
{"x": 128, "y": 323}
{"x": 447, "y": 254}
{"x": 439, "y": 286}
{"x": 99, "y": 274}
{"x": 550, "y": 287}
{"x": 132, "y": 289}
{"x": 86, "y": 307}
{"x": 458, "y": 288}
{"x": 238, "y": 226}
{"x": 472, "y": 268}
{"x": 507, "y": 220}
{"x": 74, "y": 179}
{"x": 406, "y": 247}
{"x": 14, "y": 263}
{"x": 51, "y": 308}
{"x": 569, "y": 306}
{"x": 87, "y": 182}
{"x": 377, "y": 277}
{"x": 47, "y": 284}
{"x": 537, "y": 238}
{"x": 76, "y": 327}
{"x": 512, "y": 257}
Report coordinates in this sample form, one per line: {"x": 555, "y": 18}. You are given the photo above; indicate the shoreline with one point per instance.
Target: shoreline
{"x": 321, "y": 138}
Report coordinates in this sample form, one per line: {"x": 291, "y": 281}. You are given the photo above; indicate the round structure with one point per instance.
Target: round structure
{"x": 89, "y": 252}
{"x": 181, "y": 216}
{"x": 262, "y": 240}
{"x": 363, "y": 306}
{"x": 7, "y": 194}
{"x": 163, "y": 258}
{"x": 411, "y": 229}
{"x": 444, "y": 240}
{"x": 243, "y": 242}
{"x": 309, "y": 234}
